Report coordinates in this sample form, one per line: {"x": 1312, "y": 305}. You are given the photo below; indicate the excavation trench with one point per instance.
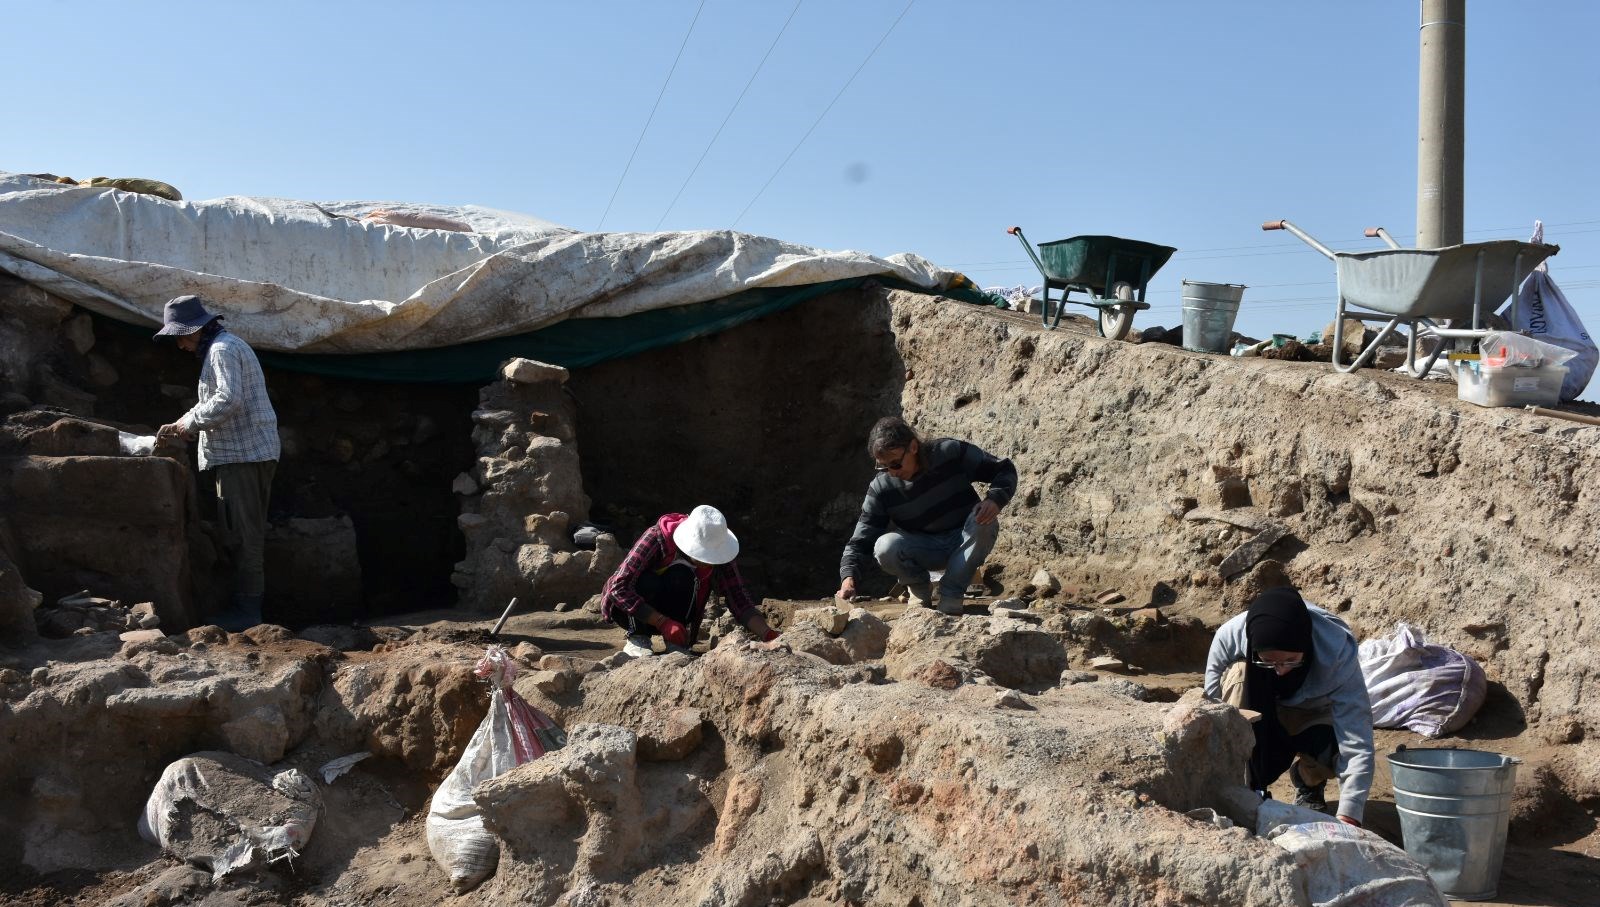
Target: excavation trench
{"x": 897, "y": 775}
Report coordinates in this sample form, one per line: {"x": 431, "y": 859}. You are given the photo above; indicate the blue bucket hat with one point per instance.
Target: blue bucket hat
{"x": 184, "y": 315}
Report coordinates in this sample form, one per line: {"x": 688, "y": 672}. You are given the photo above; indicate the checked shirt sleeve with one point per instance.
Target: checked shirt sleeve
{"x": 621, "y": 592}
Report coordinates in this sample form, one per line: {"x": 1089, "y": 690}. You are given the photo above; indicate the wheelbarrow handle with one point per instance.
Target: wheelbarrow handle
{"x": 1303, "y": 236}
{"x": 1380, "y": 233}
{"x": 1028, "y": 247}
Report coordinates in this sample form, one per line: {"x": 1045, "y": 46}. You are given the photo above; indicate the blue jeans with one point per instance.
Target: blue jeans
{"x": 908, "y": 556}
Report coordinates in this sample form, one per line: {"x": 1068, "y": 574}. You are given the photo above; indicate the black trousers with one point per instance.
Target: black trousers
{"x": 1276, "y": 748}
{"x": 672, "y": 592}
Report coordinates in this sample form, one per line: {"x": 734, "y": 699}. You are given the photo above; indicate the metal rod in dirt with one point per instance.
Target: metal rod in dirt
{"x": 503, "y": 615}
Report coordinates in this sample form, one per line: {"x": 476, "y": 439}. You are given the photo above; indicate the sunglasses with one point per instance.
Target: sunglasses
{"x": 891, "y": 467}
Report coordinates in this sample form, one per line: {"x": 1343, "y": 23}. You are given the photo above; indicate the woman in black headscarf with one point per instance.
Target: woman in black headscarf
{"x": 1298, "y": 667}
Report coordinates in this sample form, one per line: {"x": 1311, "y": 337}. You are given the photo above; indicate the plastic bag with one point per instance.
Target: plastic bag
{"x": 1543, "y": 311}
{"x": 1431, "y": 689}
{"x": 512, "y": 733}
{"x": 1345, "y": 866}
{"x": 1505, "y": 349}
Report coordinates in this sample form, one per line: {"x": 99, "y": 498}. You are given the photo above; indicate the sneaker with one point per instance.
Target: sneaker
{"x": 1311, "y": 798}
{"x": 920, "y": 595}
{"x": 950, "y": 604}
{"x": 638, "y": 647}
{"x": 1308, "y": 795}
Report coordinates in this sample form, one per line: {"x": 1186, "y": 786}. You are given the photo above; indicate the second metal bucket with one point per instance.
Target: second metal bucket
{"x": 1208, "y": 313}
{"x": 1454, "y": 808}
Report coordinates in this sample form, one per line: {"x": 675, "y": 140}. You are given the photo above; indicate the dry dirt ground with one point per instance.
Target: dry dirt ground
{"x": 930, "y": 761}
{"x": 375, "y": 813}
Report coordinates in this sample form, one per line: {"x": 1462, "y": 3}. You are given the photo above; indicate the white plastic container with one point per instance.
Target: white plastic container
{"x": 1486, "y": 385}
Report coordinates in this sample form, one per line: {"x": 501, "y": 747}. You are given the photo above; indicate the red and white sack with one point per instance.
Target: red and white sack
{"x": 1431, "y": 689}
{"x": 512, "y": 733}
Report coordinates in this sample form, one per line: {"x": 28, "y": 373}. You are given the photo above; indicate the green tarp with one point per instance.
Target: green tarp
{"x": 578, "y": 342}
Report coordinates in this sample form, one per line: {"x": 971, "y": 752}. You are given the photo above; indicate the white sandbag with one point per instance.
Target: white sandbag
{"x": 1345, "y": 866}
{"x": 1431, "y": 689}
{"x": 512, "y": 733}
{"x": 226, "y": 812}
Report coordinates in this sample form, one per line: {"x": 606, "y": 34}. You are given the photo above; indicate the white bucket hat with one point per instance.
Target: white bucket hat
{"x": 704, "y": 536}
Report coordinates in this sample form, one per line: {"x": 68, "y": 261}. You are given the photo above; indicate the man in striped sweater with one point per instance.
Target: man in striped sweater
{"x": 924, "y": 490}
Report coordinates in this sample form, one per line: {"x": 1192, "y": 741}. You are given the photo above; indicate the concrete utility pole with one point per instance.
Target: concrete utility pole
{"x": 1441, "y": 123}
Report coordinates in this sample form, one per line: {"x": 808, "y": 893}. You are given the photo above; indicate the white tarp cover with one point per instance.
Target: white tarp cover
{"x": 291, "y": 276}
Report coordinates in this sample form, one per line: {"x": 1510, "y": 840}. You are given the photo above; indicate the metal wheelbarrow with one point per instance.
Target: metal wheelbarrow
{"x": 1113, "y": 272}
{"x": 1439, "y": 293}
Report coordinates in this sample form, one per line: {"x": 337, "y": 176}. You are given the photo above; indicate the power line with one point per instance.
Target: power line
{"x": 696, "y": 168}
{"x": 652, "y": 115}
{"x": 824, "y": 113}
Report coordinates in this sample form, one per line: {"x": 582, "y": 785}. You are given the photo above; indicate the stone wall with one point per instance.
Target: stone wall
{"x": 524, "y": 498}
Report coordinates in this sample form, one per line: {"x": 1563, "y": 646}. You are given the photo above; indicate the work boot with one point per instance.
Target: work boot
{"x": 638, "y": 647}
{"x": 245, "y": 613}
{"x": 919, "y": 595}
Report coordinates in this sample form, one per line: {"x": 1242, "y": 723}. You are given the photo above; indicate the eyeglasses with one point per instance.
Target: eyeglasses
{"x": 1285, "y": 665}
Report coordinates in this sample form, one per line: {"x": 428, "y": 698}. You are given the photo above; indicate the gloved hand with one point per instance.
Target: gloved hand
{"x": 770, "y": 636}
{"x": 674, "y": 632}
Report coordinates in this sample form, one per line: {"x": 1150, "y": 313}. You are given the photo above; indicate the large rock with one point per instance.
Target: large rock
{"x": 419, "y": 704}
{"x": 865, "y": 635}
{"x": 571, "y": 815}
{"x": 812, "y": 639}
{"x": 118, "y": 525}
{"x": 1011, "y": 651}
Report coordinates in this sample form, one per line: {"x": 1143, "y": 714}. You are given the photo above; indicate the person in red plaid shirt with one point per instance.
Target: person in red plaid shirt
{"x": 664, "y": 582}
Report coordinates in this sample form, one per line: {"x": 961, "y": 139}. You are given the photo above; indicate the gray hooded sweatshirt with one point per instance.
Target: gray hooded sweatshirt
{"x": 1334, "y": 682}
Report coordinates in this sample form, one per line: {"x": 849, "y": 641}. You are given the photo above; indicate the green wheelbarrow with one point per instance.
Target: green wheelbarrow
{"x": 1113, "y": 272}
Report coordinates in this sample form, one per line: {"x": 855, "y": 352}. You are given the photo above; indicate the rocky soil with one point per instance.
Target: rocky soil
{"x": 1045, "y": 753}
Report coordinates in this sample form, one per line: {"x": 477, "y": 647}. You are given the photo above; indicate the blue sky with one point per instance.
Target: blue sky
{"x": 1183, "y": 123}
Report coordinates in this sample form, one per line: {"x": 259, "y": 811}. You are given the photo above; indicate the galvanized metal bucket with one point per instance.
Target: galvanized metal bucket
{"x": 1454, "y": 807}
{"x": 1208, "y": 313}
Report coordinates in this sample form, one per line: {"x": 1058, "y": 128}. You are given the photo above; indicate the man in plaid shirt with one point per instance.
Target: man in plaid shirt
{"x": 238, "y": 433}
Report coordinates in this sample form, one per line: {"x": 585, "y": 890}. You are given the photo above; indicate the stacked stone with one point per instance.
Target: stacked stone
{"x": 524, "y": 498}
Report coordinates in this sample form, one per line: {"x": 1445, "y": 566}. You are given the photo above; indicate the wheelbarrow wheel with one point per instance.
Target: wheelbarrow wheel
{"x": 1116, "y": 321}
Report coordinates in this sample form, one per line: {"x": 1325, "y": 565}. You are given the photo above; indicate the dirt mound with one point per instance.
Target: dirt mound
{"x": 1397, "y": 501}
